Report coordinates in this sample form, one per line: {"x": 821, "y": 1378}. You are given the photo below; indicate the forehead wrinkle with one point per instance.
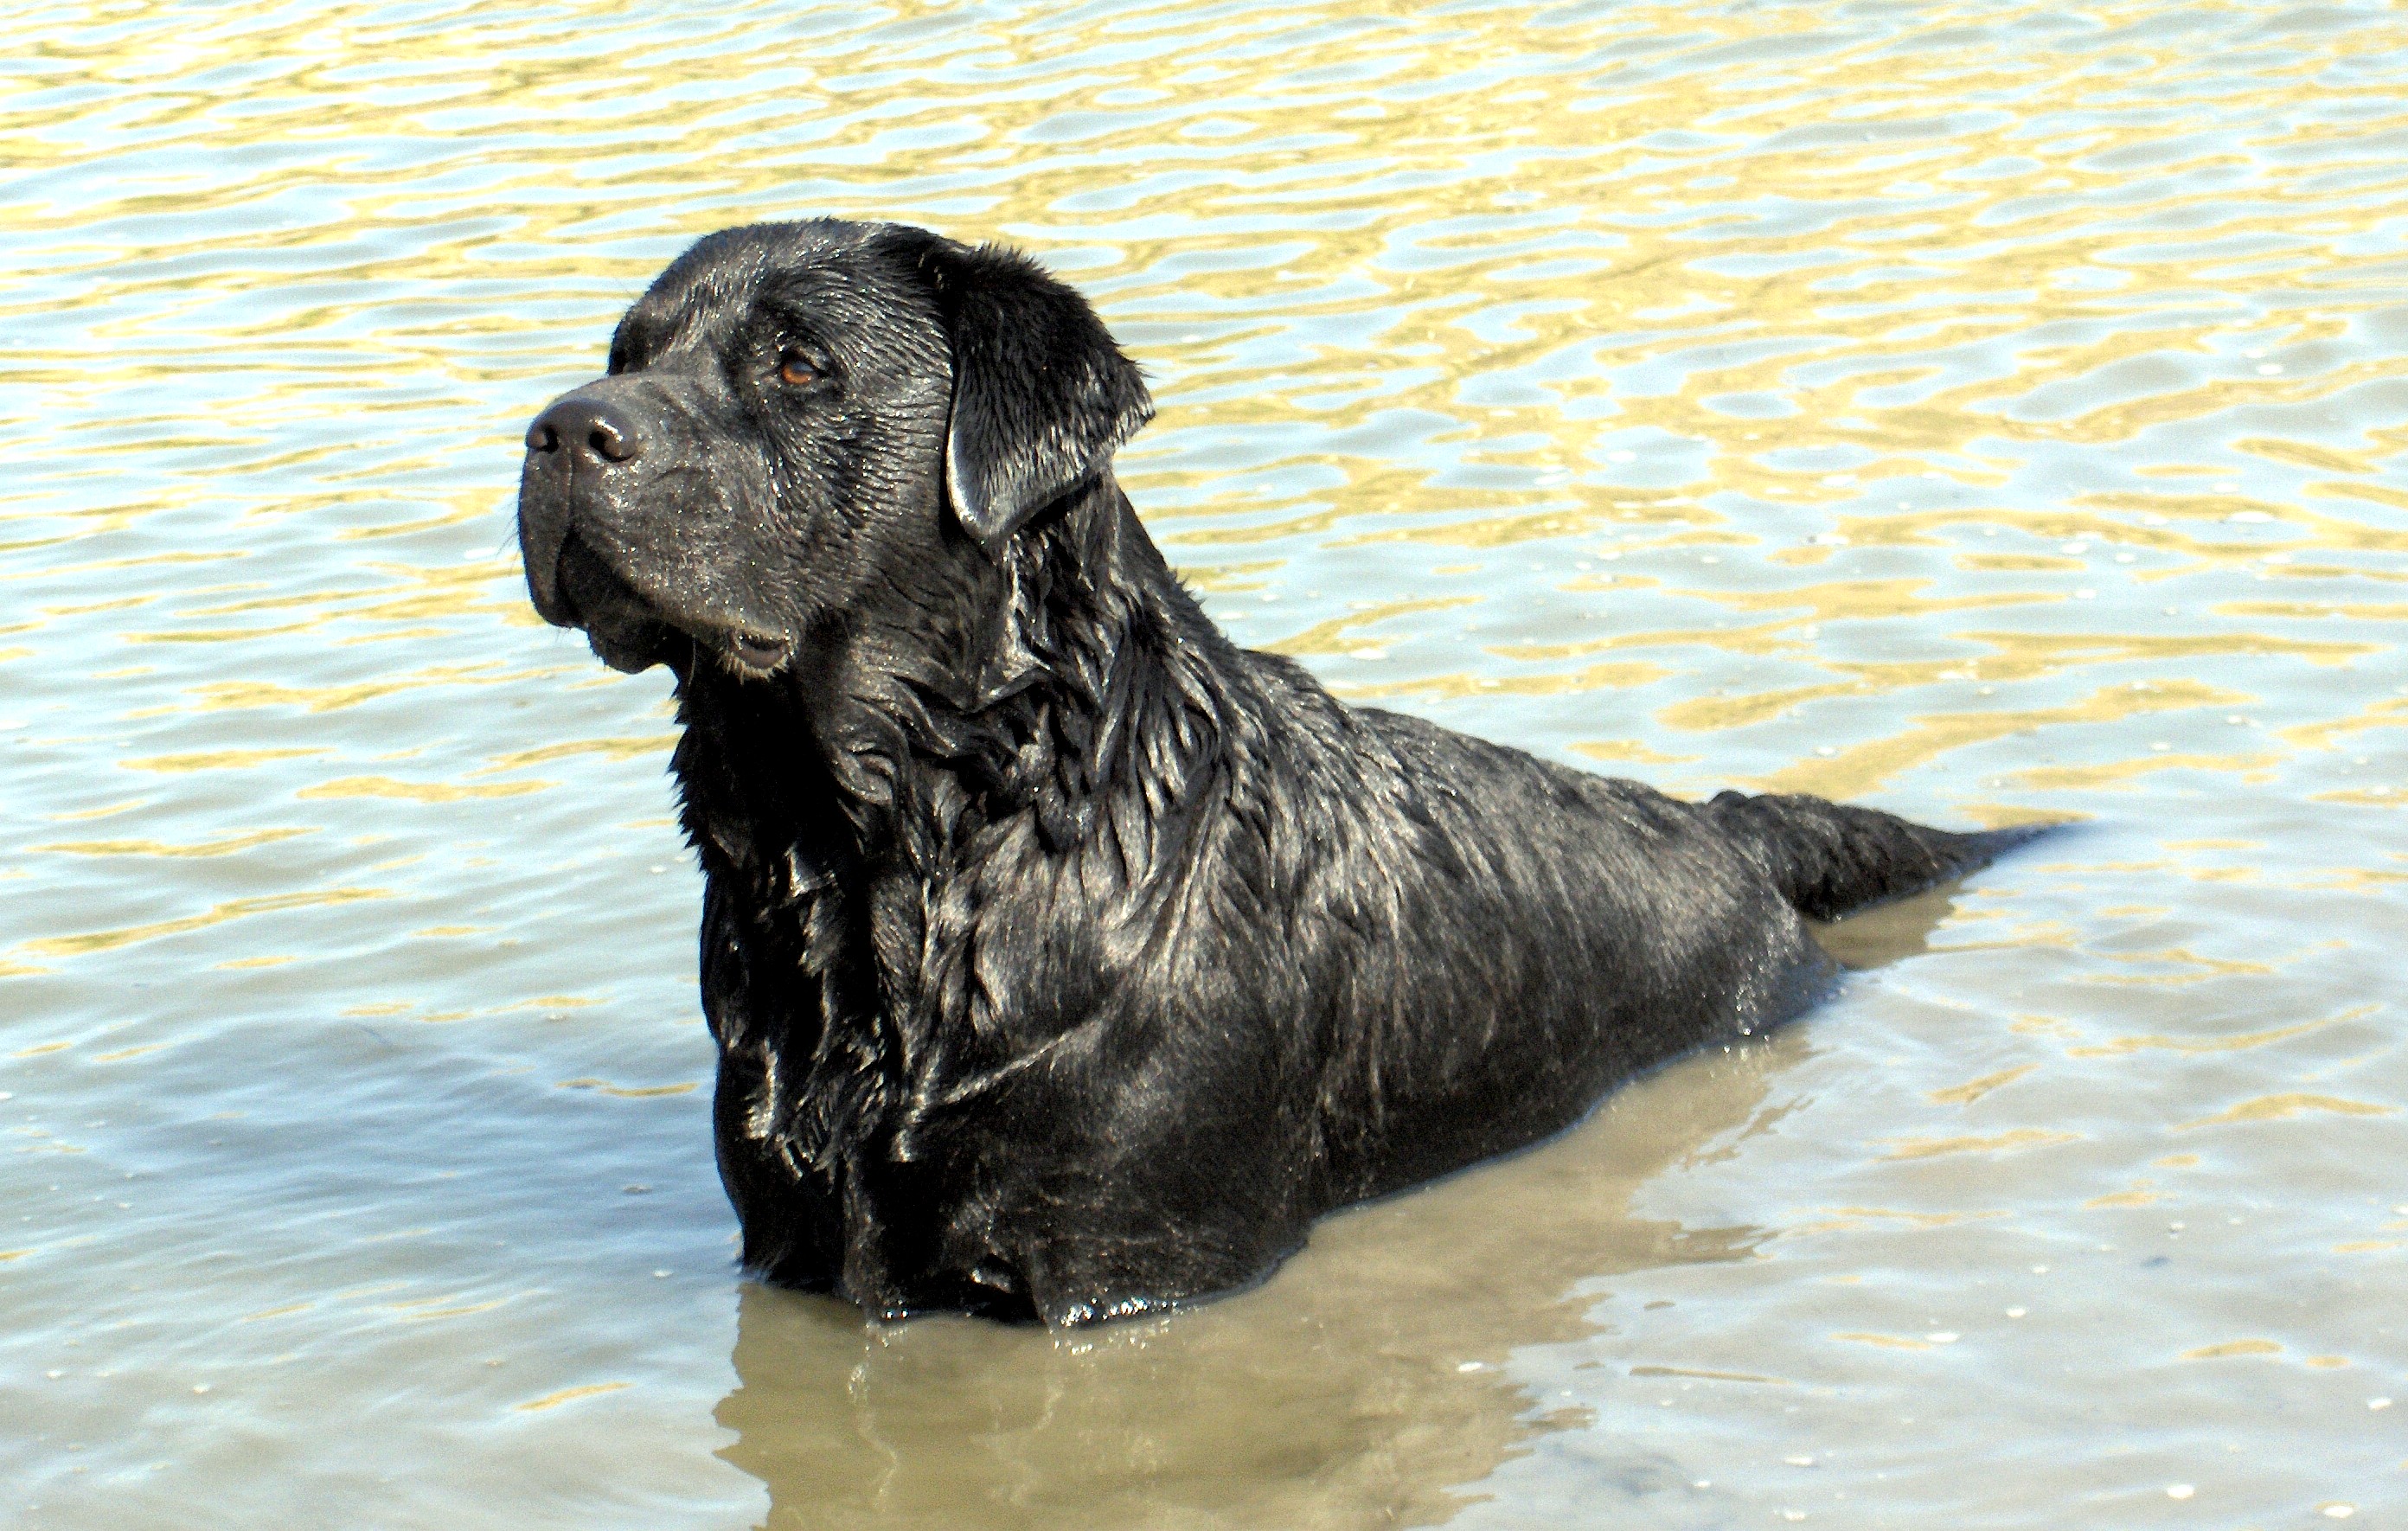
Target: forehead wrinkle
{"x": 859, "y": 300}
{"x": 672, "y": 321}
{"x": 846, "y": 296}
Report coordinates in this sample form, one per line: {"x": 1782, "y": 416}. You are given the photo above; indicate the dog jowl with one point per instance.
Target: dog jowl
{"x": 1065, "y": 959}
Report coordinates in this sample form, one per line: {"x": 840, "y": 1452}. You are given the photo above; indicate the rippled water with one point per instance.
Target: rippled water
{"x": 1986, "y": 410}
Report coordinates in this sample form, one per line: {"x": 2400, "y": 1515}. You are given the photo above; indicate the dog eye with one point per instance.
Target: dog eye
{"x": 796, "y": 370}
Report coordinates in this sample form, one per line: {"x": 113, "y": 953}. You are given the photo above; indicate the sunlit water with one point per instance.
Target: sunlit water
{"x": 1988, "y": 411}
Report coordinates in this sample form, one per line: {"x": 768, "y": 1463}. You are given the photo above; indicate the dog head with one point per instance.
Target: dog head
{"x": 800, "y": 419}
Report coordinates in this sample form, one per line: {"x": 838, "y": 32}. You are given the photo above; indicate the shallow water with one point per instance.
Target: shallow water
{"x": 1988, "y": 411}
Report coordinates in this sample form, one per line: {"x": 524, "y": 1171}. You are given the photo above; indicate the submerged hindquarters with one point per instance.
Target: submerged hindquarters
{"x": 1832, "y": 859}
{"x": 1551, "y": 933}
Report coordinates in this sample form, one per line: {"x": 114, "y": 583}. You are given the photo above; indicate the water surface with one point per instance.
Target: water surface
{"x": 1988, "y": 411}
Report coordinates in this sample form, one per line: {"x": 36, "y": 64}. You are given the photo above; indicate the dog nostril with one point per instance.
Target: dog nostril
{"x": 610, "y": 442}
{"x": 594, "y": 430}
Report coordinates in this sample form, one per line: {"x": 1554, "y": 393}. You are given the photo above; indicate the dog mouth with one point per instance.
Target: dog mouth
{"x": 760, "y": 652}
{"x": 623, "y": 630}
{"x": 629, "y": 633}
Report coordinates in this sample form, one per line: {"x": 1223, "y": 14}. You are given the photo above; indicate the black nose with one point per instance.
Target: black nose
{"x": 588, "y": 427}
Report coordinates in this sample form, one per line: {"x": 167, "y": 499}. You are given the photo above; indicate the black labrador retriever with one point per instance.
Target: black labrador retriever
{"x": 1066, "y": 960}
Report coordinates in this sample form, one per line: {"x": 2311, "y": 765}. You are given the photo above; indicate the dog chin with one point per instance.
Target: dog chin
{"x": 630, "y": 645}
{"x": 624, "y": 630}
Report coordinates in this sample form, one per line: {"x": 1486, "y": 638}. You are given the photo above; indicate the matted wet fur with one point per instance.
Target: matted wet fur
{"x": 1067, "y": 960}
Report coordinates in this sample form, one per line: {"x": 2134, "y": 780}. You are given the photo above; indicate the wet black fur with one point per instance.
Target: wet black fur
{"x": 1065, "y": 958}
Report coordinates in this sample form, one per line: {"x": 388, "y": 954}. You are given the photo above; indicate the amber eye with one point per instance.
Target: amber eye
{"x": 794, "y": 371}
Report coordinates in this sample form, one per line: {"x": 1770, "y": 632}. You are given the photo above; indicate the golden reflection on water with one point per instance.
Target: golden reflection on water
{"x": 1993, "y": 410}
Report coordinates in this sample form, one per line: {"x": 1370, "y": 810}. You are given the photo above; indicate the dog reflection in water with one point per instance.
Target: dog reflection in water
{"x": 1066, "y": 960}
{"x": 1365, "y": 1386}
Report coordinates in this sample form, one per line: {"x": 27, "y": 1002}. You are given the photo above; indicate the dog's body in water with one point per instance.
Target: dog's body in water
{"x": 1066, "y": 960}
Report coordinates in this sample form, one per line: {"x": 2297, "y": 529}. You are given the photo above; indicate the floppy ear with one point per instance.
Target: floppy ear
{"x": 1041, "y": 396}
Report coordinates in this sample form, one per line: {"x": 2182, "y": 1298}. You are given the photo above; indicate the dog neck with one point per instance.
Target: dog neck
{"x": 982, "y": 691}
{"x": 1067, "y": 732}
